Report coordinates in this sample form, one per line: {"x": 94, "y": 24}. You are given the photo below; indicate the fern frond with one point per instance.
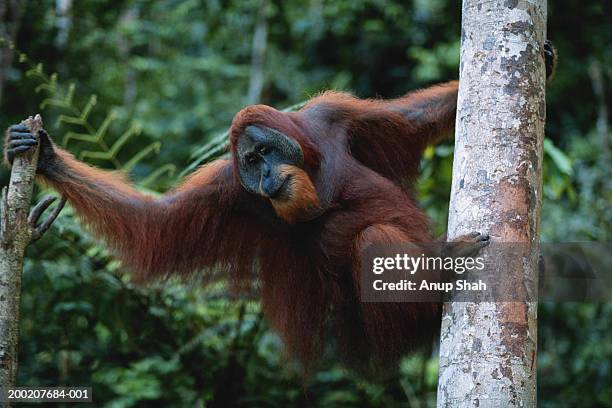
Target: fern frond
{"x": 94, "y": 136}
{"x": 167, "y": 168}
{"x": 153, "y": 147}
{"x": 65, "y": 102}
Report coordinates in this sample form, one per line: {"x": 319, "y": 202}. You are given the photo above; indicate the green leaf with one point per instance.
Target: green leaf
{"x": 561, "y": 160}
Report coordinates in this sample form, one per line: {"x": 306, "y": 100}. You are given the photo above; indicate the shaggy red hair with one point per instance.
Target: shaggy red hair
{"x": 357, "y": 154}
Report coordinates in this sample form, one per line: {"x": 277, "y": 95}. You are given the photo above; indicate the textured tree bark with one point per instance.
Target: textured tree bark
{"x": 15, "y": 235}
{"x": 488, "y": 349}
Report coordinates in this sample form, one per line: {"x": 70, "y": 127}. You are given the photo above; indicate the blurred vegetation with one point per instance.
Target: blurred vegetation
{"x": 123, "y": 80}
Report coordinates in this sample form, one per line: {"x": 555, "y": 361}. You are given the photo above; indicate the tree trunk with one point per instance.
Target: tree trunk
{"x": 11, "y": 12}
{"x": 488, "y": 349}
{"x": 599, "y": 89}
{"x": 15, "y": 235}
{"x": 260, "y": 41}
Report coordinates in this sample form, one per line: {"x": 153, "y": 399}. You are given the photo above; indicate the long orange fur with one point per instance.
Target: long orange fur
{"x": 359, "y": 159}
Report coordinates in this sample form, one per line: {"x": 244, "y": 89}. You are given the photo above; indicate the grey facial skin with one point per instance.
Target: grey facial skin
{"x": 261, "y": 151}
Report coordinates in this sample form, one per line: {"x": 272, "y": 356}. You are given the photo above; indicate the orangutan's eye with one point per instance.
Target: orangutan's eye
{"x": 263, "y": 150}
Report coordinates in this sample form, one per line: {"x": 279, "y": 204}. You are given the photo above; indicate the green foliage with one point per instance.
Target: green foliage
{"x": 579, "y": 357}
{"x": 583, "y": 190}
{"x": 90, "y": 135}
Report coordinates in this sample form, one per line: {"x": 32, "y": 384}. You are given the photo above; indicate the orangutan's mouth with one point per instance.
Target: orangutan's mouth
{"x": 283, "y": 191}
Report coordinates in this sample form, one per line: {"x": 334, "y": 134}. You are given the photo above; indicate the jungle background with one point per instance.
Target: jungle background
{"x": 149, "y": 87}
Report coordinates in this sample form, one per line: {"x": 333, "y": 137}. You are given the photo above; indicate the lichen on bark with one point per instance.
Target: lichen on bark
{"x": 15, "y": 236}
{"x": 487, "y": 350}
